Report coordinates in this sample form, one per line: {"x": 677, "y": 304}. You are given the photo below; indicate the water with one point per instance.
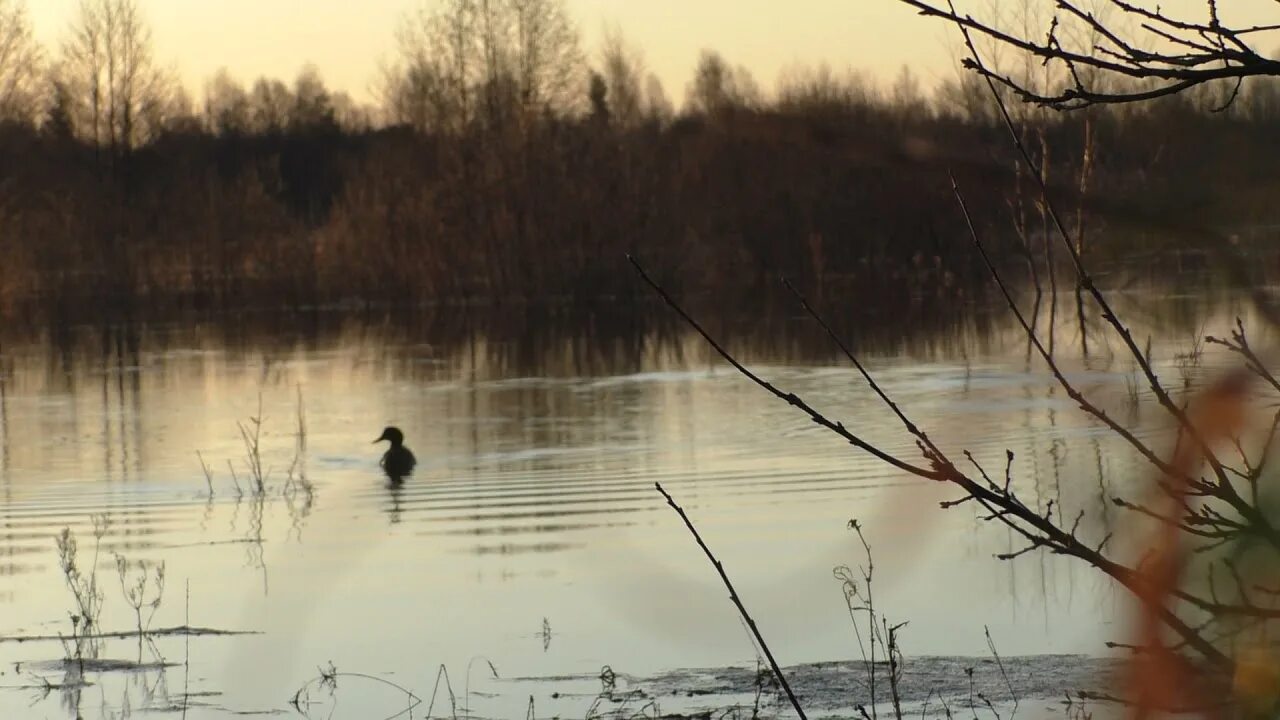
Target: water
{"x": 531, "y": 542}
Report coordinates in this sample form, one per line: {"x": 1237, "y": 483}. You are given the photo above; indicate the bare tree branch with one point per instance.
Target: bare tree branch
{"x": 1172, "y": 54}
{"x": 737, "y": 602}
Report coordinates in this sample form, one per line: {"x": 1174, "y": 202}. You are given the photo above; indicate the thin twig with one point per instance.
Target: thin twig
{"x": 733, "y": 595}
{"x": 790, "y": 398}
{"x": 1087, "y": 282}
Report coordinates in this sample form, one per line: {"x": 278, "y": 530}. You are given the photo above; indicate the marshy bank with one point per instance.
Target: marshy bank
{"x": 1033, "y": 687}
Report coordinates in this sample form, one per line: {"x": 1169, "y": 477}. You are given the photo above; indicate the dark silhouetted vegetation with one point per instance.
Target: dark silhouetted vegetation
{"x": 504, "y": 164}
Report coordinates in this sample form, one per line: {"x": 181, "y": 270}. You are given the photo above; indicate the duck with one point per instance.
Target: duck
{"x": 398, "y": 461}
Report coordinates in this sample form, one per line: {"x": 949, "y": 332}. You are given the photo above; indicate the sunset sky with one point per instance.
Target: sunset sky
{"x": 347, "y": 40}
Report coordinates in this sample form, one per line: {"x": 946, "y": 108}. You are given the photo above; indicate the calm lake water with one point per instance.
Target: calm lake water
{"x": 531, "y": 541}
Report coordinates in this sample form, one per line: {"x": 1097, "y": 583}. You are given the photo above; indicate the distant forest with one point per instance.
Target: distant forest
{"x": 504, "y": 163}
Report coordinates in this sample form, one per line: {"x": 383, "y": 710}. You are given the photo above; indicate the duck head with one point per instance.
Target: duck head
{"x": 393, "y": 435}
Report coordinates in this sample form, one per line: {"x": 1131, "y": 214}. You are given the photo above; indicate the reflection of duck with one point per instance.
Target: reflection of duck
{"x": 398, "y": 461}
{"x": 396, "y": 488}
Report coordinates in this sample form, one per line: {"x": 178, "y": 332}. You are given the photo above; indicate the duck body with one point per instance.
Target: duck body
{"x": 398, "y": 460}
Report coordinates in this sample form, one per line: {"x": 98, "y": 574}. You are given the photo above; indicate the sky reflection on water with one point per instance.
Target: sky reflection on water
{"x": 533, "y": 498}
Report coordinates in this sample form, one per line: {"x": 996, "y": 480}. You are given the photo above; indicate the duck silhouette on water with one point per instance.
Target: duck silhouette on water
{"x": 398, "y": 461}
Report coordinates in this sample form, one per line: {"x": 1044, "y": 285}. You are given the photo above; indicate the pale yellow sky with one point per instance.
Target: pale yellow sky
{"x": 346, "y": 40}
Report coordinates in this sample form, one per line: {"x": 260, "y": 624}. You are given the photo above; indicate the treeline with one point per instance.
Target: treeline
{"x": 502, "y": 164}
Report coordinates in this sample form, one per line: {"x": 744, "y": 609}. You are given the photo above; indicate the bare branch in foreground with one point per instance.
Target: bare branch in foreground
{"x": 1161, "y": 56}
{"x": 1004, "y": 506}
{"x": 733, "y": 595}
{"x": 1086, "y": 280}
{"x": 1223, "y": 489}
{"x": 790, "y": 398}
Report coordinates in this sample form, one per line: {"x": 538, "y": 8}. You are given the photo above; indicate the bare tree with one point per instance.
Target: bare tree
{"x": 453, "y": 31}
{"x": 429, "y": 85}
{"x": 622, "y": 69}
{"x": 19, "y": 64}
{"x": 965, "y": 97}
{"x": 820, "y": 90}
{"x": 544, "y": 48}
{"x": 718, "y": 87}
{"x": 710, "y": 89}
{"x": 465, "y": 58}
{"x": 350, "y": 115}
{"x": 907, "y": 99}
{"x": 415, "y": 94}
{"x": 658, "y": 107}
{"x": 1117, "y": 51}
{"x": 312, "y": 106}
{"x": 271, "y": 103}
{"x": 1261, "y": 100}
{"x": 226, "y": 105}
{"x": 107, "y": 65}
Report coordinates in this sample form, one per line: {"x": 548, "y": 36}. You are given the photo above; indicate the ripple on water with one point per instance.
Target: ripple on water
{"x": 534, "y": 499}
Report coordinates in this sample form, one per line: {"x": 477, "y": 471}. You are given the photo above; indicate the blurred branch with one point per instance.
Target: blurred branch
{"x": 1238, "y": 343}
